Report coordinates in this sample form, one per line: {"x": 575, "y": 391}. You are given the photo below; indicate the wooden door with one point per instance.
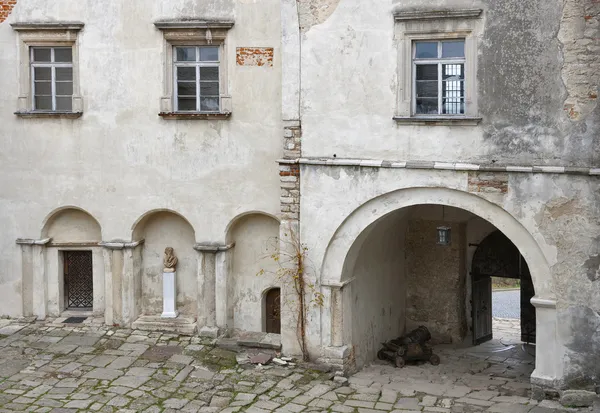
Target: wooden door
{"x": 482, "y": 308}
{"x": 78, "y": 277}
{"x": 528, "y": 325}
{"x": 273, "y": 311}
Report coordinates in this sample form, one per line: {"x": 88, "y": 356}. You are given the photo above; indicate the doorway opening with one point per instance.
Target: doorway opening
{"x": 78, "y": 280}
{"x": 273, "y": 311}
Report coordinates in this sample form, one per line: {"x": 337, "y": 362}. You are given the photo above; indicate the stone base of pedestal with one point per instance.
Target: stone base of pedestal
{"x": 179, "y": 325}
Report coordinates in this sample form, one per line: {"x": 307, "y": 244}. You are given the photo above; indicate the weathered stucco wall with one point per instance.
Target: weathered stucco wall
{"x": 436, "y": 280}
{"x": 377, "y": 295}
{"x": 254, "y": 270}
{"x": 120, "y": 159}
{"x": 537, "y": 84}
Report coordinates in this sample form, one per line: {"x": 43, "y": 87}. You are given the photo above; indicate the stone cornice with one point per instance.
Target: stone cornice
{"x": 46, "y": 25}
{"x": 213, "y": 246}
{"x": 119, "y": 245}
{"x": 193, "y": 24}
{"x": 29, "y": 241}
{"x": 435, "y": 14}
{"x": 451, "y": 166}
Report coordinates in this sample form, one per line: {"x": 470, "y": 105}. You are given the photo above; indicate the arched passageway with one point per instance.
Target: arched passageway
{"x": 388, "y": 271}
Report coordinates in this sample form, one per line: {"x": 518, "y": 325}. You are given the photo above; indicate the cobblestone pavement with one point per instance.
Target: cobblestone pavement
{"x": 50, "y": 367}
{"x": 506, "y": 304}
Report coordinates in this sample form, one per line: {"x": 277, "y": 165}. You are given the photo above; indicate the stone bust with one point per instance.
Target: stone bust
{"x": 170, "y": 260}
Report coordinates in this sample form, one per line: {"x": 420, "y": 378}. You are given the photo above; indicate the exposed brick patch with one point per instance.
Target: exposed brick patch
{"x": 488, "y": 182}
{"x": 254, "y": 56}
{"x": 6, "y": 7}
{"x": 289, "y": 174}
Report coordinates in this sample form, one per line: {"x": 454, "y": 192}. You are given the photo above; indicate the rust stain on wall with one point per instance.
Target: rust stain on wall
{"x": 488, "y": 182}
{"x": 254, "y": 56}
{"x": 6, "y": 7}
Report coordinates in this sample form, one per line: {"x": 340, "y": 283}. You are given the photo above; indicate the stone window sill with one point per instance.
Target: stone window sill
{"x": 194, "y": 115}
{"x": 438, "y": 120}
{"x": 34, "y": 114}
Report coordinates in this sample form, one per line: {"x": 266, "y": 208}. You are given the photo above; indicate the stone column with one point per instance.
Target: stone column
{"x": 34, "y": 282}
{"x": 122, "y": 282}
{"x": 211, "y": 264}
{"x": 337, "y": 317}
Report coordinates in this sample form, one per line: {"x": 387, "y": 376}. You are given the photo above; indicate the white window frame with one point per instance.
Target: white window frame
{"x": 194, "y": 33}
{"x": 53, "y": 66}
{"x": 436, "y": 25}
{"x": 439, "y": 61}
{"x": 197, "y": 65}
{"x": 48, "y": 35}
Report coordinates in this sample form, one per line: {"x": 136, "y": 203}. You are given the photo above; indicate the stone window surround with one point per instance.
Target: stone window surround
{"x": 412, "y": 25}
{"x": 193, "y": 32}
{"x": 46, "y": 34}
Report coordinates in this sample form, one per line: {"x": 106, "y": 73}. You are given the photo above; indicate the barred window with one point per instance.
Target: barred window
{"x": 52, "y": 78}
{"x": 196, "y": 78}
{"x": 439, "y": 77}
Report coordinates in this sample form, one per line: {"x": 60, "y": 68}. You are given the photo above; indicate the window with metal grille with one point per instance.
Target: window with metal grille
{"x": 439, "y": 77}
{"x": 196, "y": 74}
{"x": 52, "y": 78}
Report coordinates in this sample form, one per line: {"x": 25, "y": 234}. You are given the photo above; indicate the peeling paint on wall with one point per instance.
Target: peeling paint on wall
{"x": 254, "y": 56}
{"x": 579, "y": 33}
{"x": 313, "y": 12}
{"x": 6, "y": 7}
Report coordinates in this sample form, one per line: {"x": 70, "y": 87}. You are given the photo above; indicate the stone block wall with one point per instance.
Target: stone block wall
{"x": 289, "y": 173}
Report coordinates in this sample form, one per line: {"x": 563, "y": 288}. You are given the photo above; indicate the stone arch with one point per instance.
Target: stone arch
{"x": 161, "y": 228}
{"x": 238, "y": 217}
{"x": 342, "y": 253}
{"x": 71, "y": 224}
{"x": 343, "y": 247}
{"x": 255, "y": 235}
{"x": 140, "y": 222}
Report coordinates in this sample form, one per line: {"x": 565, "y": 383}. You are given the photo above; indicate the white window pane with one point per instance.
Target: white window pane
{"x": 42, "y": 73}
{"x": 427, "y": 106}
{"x": 64, "y": 88}
{"x": 453, "y": 49}
{"x": 41, "y": 54}
{"x": 209, "y": 104}
{"x": 186, "y": 104}
{"x": 209, "y": 54}
{"x": 43, "y": 102}
{"x": 186, "y": 73}
{"x": 64, "y": 103}
{"x": 186, "y": 54}
{"x": 43, "y": 88}
{"x": 63, "y": 54}
{"x": 209, "y": 73}
{"x": 64, "y": 73}
{"x": 209, "y": 89}
{"x": 427, "y": 72}
{"x": 426, "y": 50}
{"x": 186, "y": 89}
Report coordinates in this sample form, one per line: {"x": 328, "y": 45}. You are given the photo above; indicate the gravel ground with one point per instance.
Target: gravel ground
{"x": 506, "y": 304}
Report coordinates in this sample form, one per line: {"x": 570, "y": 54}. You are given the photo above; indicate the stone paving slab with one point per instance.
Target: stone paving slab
{"x": 50, "y": 367}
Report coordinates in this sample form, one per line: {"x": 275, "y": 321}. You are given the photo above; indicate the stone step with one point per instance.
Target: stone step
{"x": 179, "y": 325}
{"x": 259, "y": 340}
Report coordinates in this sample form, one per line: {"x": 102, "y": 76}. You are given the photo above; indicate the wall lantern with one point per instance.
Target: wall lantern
{"x": 443, "y": 236}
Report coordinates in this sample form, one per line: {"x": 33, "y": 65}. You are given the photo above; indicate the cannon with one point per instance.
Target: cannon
{"x": 410, "y": 347}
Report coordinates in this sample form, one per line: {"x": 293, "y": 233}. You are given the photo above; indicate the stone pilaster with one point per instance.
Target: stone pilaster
{"x": 34, "y": 286}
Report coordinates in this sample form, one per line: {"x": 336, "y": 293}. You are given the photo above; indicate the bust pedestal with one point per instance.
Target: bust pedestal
{"x": 169, "y": 293}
